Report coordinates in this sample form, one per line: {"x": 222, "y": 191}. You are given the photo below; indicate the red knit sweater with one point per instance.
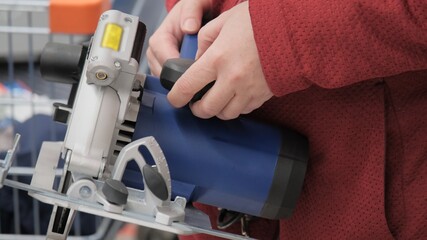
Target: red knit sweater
{"x": 351, "y": 75}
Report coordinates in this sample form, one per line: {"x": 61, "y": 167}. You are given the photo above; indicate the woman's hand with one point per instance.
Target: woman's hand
{"x": 227, "y": 53}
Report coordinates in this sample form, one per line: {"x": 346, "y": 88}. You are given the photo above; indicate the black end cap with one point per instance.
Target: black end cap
{"x": 62, "y": 63}
{"x": 288, "y": 177}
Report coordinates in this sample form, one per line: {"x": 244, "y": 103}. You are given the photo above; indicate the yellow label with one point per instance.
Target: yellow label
{"x": 112, "y": 36}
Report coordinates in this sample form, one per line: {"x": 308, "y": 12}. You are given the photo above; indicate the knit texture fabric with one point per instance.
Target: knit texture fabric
{"x": 351, "y": 76}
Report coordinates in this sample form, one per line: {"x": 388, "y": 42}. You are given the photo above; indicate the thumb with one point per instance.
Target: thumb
{"x": 192, "y": 15}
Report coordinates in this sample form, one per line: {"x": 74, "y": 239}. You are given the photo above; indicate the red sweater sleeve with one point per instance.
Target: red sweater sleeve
{"x": 218, "y": 6}
{"x": 336, "y": 43}
{"x": 170, "y": 4}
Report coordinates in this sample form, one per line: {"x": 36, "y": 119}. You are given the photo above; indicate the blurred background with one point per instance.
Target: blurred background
{"x": 26, "y": 108}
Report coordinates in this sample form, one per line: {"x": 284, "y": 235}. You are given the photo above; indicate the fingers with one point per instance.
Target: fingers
{"x": 161, "y": 48}
{"x": 185, "y": 17}
{"x": 163, "y": 45}
{"x": 201, "y": 73}
{"x": 213, "y": 101}
{"x": 153, "y": 64}
{"x": 205, "y": 70}
{"x": 227, "y": 54}
{"x": 192, "y": 81}
{"x": 209, "y": 33}
{"x": 192, "y": 15}
{"x": 234, "y": 108}
{"x": 222, "y": 101}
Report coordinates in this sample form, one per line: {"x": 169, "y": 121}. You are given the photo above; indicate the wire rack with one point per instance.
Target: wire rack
{"x": 25, "y": 108}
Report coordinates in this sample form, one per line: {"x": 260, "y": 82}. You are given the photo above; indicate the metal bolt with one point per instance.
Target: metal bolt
{"x": 101, "y": 75}
{"x": 117, "y": 64}
{"x": 85, "y": 192}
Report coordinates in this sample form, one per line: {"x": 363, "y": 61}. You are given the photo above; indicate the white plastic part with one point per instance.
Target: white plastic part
{"x": 101, "y": 106}
{"x": 91, "y": 127}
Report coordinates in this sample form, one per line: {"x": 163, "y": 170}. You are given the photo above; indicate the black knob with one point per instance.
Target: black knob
{"x": 173, "y": 69}
{"x": 115, "y": 191}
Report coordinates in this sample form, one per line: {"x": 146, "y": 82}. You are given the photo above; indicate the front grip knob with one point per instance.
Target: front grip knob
{"x": 173, "y": 69}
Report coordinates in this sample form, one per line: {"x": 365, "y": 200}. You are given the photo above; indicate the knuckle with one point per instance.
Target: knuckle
{"x": 157, "y": 39}
{"x": 247, "y": 111}
{"x": 203, "y": 34}
{"x": 217, "y": 54}
{"x": 215, "y": 57}
{"x": 183, "y": 87}
{"x": 149, "y": 53}
{"x": 228, "y": 115}
{"x": 208, "y": 110}
{"x": 152, "y": 40}
{"x": 253, "y": 105}
{"x": 235, "y": 76}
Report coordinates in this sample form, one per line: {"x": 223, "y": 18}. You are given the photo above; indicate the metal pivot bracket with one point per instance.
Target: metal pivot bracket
{"x": 115, "y": 197}
{"x": 157, "y": 182}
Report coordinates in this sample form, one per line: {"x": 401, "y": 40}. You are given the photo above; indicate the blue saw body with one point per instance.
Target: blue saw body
{"x": 222, "y": 163}
{"x": 240, "y": 165}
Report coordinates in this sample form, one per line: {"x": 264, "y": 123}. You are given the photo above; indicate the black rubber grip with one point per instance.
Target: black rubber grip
{"x": 173, "y": 69}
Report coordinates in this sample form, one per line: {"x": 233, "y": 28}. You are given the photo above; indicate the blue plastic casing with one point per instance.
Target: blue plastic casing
{"x": 240, "y": 165}
{"x": 189, "y": 46}
{"x": 228, "y": 164}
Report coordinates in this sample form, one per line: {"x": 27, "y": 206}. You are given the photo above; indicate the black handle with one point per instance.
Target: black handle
{"x": 173, "y": 69}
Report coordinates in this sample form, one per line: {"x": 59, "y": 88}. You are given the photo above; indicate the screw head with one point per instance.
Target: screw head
{"x": 101, "y": 75}
{"x": 85, "y": 192}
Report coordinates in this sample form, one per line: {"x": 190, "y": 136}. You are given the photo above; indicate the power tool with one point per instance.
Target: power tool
{"x": 129, "y": 155}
